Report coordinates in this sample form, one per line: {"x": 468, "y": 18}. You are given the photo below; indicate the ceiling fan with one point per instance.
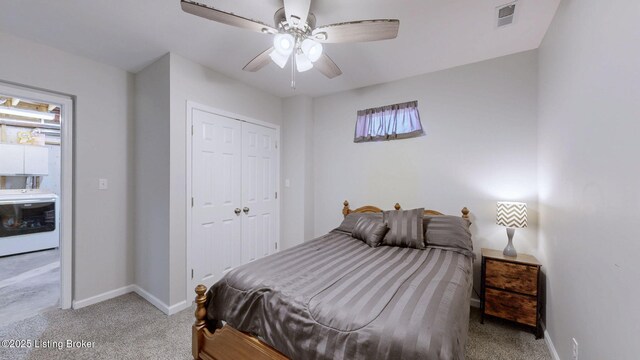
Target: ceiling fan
{"x": 297, "y": 37}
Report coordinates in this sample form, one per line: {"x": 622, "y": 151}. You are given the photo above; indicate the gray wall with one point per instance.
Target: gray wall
{"x": 162, "y": 91}
{"x": 151, "y": 148}
{"x": 191, "y": 81}
{"x": 103, "y": 135}
{"x": 480, "y": 147}
{"x": 297, "y": 161}
{"x": 589, "y": 89}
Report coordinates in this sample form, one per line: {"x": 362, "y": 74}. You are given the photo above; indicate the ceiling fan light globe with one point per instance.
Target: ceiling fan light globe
{"x": 303, "y": 63}
{"x": 278, "y": 58}
{"x": 312, "y": 49}
{"x": 284, "y": 43}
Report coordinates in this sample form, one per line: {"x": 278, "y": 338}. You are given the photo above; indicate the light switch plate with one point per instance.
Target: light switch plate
{"x": 103, "y": 184}
{"x": 287, "y": 183}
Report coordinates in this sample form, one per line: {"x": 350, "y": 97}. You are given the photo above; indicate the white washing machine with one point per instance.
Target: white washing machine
{"x": 29, "y": 221}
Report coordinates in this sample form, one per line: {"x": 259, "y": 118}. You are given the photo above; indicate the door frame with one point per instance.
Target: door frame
{"x": 191, "y": 106}
{"x": 66, "y": 177}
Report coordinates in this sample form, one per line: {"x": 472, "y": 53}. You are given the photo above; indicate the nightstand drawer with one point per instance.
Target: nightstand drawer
{"x": 510, "y": 306}
{"x": 515, "y": 277}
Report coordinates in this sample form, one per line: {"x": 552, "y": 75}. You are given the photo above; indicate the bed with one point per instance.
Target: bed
{"x": 335, "y": 297}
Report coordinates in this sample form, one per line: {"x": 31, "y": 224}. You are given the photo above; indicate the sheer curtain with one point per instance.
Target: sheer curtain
{"x": 390, "y": 122}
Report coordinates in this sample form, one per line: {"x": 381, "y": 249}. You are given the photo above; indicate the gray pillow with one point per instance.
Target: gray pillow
{"x": 405, "y": 228}
{"x": 370, "y": 231}
{"x": 349, "y": 222}
{"x": 450, "y": 232}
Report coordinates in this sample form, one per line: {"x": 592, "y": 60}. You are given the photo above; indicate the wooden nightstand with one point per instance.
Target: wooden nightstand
{"x": 510, "y": 289}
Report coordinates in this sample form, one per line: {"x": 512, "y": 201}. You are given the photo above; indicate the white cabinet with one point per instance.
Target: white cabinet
{"x": 23, "y": 160}
{"x": 11, "y": 159}
{"x": 36, "y": 160}
{"x": 51, "y": 182}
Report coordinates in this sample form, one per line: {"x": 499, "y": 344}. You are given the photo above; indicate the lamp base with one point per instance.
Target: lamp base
{"x": 510, "y": 250}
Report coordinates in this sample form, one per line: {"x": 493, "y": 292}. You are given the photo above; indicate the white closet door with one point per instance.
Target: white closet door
{"x": 259, "y": 168}
{"x": 216, "y": 190}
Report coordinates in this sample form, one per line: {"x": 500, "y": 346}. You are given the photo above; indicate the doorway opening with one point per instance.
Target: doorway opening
{"x": 35, "y": 202}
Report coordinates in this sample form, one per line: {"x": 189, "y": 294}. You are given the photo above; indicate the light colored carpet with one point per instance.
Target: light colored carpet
{"x": 500, "y": 340}
{"x": 128, "y": 327}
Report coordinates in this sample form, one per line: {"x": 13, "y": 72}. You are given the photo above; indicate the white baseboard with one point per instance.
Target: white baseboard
{"x": 547, "y": 340}
{"x": 152, "y": 299}
{"x": 475, "y": 303}
{"x": 169, "y": 310}
{"x": 78, "y": 304}
{"x": 176, "y": 308}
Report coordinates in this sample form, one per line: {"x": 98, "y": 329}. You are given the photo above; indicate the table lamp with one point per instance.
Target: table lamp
{"x": 512, "y": 215}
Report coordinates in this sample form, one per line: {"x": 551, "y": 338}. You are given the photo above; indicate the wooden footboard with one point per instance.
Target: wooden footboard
{"x": 226, "y": 343}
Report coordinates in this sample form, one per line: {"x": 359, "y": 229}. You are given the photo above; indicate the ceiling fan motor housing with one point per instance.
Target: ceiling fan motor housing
{"x": 280, "y": 21}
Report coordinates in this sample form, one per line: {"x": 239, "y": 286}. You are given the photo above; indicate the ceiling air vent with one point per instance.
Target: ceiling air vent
{"x": 506, "y": 14}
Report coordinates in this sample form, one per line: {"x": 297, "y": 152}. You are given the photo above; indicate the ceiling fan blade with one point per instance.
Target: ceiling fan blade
{"x": 259, "y": 61}
{"x": 225, "y": 17}
{"x": 357, "y": 31}
{"x": 297, "y": 11}
{"x": 327, "y": 67}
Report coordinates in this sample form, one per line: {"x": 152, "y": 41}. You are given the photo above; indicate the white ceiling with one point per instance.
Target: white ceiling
{"x": 130, "y": 34}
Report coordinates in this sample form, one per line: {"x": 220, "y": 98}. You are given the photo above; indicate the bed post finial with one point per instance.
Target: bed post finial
{"x": 397, "y": 206}
{"x": 198, "y": 327}
{"x": 201, "y": 312}
{"x": 345, "y": 209}
{"x": 465, "y": 213}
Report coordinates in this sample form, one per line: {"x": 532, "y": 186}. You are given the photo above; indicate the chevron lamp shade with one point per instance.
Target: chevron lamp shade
{"x": 512, "y": 214}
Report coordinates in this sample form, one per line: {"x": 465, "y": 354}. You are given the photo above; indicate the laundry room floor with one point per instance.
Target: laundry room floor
{"x": 29, "y": 284}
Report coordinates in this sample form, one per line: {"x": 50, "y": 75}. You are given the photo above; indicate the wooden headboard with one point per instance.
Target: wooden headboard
{"x": 374, "y": 209}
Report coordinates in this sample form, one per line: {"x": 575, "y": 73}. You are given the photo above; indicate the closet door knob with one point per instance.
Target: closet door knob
{"x": 237, "y": 211}
{"x": 246, "y": 210}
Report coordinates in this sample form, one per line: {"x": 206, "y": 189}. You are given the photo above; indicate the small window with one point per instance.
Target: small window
{"x": 399, "y": 121}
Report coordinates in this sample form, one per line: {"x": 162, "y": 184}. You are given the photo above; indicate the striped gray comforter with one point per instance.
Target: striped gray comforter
{"x": 337, "y": 298}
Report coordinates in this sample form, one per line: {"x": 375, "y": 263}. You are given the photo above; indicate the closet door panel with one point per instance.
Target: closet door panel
{"x": 259, "y": 156}
{"x": 234, "y": 217}
{"x": 216, "y": 192}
